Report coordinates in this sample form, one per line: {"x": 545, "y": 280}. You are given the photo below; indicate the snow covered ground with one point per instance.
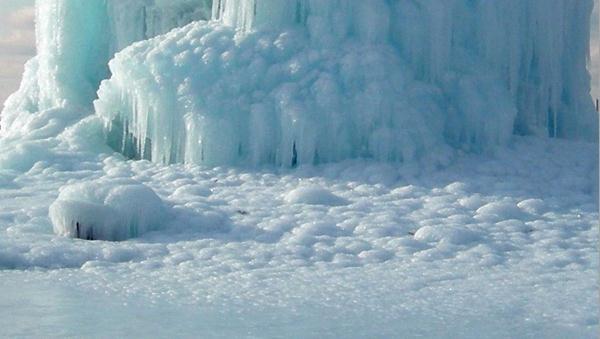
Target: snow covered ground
{"x": 497, "y": 245}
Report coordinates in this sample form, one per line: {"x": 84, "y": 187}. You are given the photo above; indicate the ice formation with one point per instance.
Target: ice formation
{"x": 296, "y": 82}
{"x": 292, "y": 82}
{"x": 107, "y": 210}
{"x": 75, "y": 41}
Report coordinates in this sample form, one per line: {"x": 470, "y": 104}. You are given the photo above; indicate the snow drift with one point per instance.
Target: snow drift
{"x": 292, "y": 82}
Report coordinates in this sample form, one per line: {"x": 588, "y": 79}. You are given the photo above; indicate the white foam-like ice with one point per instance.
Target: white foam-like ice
{"x": 486, "y": 235}
{"x": 107, "y": 210}
{"x": 314, "y": 195}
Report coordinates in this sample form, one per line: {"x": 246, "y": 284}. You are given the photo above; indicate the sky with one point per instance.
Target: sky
{"x": 17, "y": 44}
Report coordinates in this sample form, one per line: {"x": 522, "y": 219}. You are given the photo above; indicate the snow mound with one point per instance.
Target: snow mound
{"x": 106, "y": 210}
{"x": 192, "y": 190}
{"x": 450, "y": 234}
{"x": 500, "y": 210}
{"x": 533, "y": 206}
{"x": 314, "y": 195}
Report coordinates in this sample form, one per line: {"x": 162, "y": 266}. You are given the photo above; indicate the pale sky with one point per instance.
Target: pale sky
{"x": 17, "y": 44}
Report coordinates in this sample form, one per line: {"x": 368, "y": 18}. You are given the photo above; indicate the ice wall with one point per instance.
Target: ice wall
{"x": 203, "y": 94}
{"x": 137, "y": 20}
{"x": 305, "y": 81}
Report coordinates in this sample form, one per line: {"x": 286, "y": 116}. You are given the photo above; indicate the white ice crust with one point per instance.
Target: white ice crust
{"x": 107, "y": 210}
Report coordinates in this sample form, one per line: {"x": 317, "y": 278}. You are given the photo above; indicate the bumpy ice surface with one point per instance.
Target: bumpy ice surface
{"x": 503, "y": 245}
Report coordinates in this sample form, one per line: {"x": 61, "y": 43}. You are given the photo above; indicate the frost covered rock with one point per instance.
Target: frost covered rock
{"x": 107, "y": 210}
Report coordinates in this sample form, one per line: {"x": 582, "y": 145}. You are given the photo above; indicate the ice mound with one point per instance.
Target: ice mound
{"x": 450, "y": 234}
{"x": 500, "y": 210}
{"x": 107, "y": 210}
{"x": 314, "y": 195}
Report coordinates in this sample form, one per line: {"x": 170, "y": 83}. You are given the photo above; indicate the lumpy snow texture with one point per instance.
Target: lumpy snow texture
{"x": 107, "y": 210}
{"x": 315, "y": 81}
{"x": 485, "y": 245}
